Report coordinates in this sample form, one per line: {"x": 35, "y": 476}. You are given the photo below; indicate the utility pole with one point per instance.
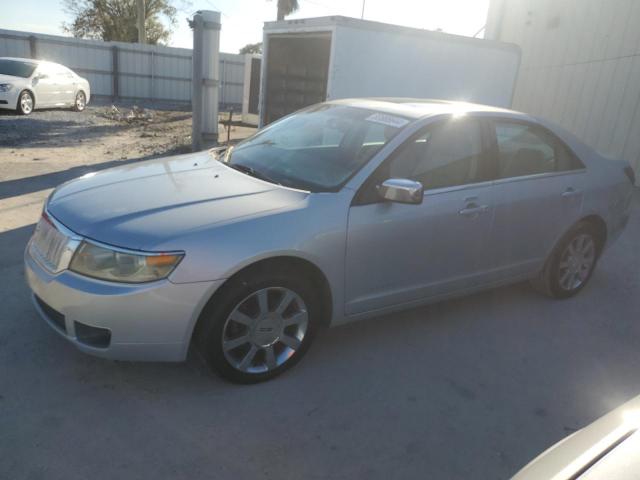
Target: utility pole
{"x": 205, "y": 79}
{"x": 142, "y": 35}
{"x": 362, "y": 15}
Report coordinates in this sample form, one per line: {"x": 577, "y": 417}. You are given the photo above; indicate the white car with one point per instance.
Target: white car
{"x": 608, "y": 449}
{"x": 27, "y": 84}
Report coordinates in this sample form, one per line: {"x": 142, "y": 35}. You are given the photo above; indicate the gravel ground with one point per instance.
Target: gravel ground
{"x": 469, "y": 388}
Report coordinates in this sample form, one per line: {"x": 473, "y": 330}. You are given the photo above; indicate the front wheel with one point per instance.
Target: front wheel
{"x": 258, "y": 327}
{"x": 80, "y": 102}
{"x": 25, "y": 103}
{"x": 571, "y": 264}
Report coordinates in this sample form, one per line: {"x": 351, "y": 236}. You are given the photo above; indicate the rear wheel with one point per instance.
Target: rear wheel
{"x": 258, "y": 327}
{"x": 80, "y": 102}
{"x": 572, "y": 262}
{"x": 25, "y": 103}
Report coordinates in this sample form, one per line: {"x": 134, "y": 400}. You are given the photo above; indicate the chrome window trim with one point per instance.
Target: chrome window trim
{"x": 539, "y": 175}
{"x": 500, "y": 181}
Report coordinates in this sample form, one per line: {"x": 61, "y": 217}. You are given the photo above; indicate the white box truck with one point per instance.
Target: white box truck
{"x": 311, "y": 60}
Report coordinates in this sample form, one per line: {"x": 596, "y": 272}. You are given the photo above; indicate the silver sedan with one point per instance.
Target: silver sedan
{"x": 342, "y": 211}
{"x": 26, "y": 85}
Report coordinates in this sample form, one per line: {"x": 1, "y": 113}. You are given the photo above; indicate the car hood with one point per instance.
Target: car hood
{"x": 146, "y": 204}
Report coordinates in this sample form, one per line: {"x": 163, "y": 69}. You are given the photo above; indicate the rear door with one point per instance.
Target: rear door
{"x": 400, "y": 253}
{"x": 538, "y": 195}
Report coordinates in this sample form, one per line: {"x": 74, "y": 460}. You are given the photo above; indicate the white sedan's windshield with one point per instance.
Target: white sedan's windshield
{"x": 316, "y": 149}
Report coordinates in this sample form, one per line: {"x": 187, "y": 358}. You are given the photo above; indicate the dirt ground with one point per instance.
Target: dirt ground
{"x": 49, "y": 147}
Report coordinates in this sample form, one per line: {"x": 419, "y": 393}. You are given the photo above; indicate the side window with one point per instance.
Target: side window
{"x": 526, "y": 150}
{"x": 446, "y": 155}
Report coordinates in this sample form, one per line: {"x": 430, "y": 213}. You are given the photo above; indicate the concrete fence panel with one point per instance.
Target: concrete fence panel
{"x": 128, "y": 70}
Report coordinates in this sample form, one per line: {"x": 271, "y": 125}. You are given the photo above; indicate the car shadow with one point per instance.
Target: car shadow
{"x": 27, "y": 132}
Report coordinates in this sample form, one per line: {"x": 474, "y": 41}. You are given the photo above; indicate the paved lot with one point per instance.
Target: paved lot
{"x": 471, "y": 388}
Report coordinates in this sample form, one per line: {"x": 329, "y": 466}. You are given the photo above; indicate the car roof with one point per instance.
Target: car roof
{"x": 423, "y": 107}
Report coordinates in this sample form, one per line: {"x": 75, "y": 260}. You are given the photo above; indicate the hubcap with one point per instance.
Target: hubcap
{"x": 80, "y": 101}
{"x": 264, "y": 330}
{"x": 576, "y": 262}
{"x": 26, "y": 103}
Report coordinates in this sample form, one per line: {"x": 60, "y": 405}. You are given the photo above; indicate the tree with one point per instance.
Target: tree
{"x": 287, "y": 7}
{"x": 252, "y": 48}
{"x": 115, "y": 20}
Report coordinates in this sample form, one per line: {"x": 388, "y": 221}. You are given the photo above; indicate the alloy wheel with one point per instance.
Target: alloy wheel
{"x": 265, "y": 330}
{"x": 80, "y": 101}
{"x": 26, "y": 103}
{"x": 576, "y": 262}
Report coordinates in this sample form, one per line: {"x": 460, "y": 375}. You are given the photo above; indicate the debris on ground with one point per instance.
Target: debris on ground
{"x": 134, "y": 114}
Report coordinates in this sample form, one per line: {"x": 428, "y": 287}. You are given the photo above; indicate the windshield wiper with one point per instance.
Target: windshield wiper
{"x": 252, "y": 172}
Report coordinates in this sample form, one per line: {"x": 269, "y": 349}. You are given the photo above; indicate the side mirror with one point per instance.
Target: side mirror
{"x": 401, "y": 190}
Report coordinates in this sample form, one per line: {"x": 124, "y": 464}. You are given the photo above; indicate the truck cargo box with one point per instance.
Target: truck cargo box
{"x": 316, "y": 59}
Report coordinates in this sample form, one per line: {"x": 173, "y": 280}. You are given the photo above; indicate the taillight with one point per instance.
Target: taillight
{"x": 628, "y": 171}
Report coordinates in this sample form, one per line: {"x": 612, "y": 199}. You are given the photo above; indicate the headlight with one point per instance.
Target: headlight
{"x": 117, "y": 265}
{"x": 5, "y": 87}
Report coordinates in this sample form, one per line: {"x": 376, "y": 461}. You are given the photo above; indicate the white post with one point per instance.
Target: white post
{"x": 205, "y": 82}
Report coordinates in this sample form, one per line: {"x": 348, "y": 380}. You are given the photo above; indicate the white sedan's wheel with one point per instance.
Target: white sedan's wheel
{"x": 25, "y": 103}
{"x": 81, "y": 102}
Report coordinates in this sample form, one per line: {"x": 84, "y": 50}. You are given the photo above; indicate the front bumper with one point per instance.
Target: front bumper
{"x": 9, "y": 100}
{"x": 151, "y": 321}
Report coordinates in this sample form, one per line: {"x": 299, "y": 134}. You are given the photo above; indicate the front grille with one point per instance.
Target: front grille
{"x": 55, "y": 317}
{"x": 48, "y": 244}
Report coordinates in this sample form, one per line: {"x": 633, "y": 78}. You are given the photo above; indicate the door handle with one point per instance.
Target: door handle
{"x": 570, "y": 192}
{"x": 473, "y": 210}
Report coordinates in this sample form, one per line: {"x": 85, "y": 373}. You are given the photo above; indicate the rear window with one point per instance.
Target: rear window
{"x": 16, "y": 68}
{"x": 526, "y": 150}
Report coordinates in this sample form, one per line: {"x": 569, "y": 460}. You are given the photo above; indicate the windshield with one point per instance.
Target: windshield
{"x": 16, "y": 68}
{"x": 316, "y": 149}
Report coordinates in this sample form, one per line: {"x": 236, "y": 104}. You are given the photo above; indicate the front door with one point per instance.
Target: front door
{"x": 402, "y": 253}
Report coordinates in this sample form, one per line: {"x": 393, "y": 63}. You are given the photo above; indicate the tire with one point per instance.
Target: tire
{"x": 233, "y": 326}
{"x": 571, "y": 264}
{"x": 80, "y": 102}
{"x": 26, "y": 103}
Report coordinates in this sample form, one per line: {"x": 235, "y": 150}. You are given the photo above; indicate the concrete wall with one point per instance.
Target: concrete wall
{"x": 128, "y": 70}
{"x": 580, "y": 66}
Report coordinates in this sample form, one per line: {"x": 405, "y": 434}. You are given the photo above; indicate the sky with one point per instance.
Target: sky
{"x": 242, "y": 20}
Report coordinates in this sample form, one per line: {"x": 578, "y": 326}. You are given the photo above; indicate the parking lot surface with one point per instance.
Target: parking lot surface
{"x": 469, "y": 388}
